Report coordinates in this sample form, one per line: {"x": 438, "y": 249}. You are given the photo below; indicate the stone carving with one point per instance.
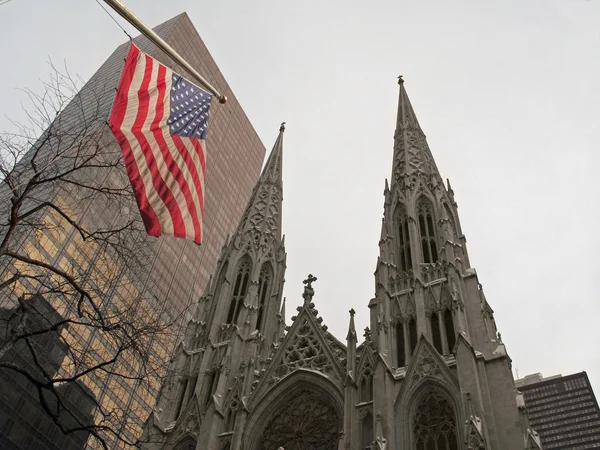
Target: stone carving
{"x": 309, "y": 292}
{"x": 474, "y": 439}
{"x": 304, "y": 351}
{"x": 380, "y": 441}
{"x": 426, "y": 365}
{"x": 307, "y": 421}
{"x": 434, "y": 424}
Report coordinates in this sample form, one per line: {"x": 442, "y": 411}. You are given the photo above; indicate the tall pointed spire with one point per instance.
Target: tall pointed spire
{"x": 411, "y": 152}
{"x": 263, "y": 213}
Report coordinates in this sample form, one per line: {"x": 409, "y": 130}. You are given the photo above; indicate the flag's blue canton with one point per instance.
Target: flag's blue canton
{"x": 189, "y": 109}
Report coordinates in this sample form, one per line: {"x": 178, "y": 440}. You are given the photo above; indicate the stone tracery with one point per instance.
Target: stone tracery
{"x": 434, "y": 423}
{"x": 306, "y": 422}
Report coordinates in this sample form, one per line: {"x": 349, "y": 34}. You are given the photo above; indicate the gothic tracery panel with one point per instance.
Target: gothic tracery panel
{"x": 305, "y": 351}
{"x": 434, "y": 423}
{"x": 306, "y": 422}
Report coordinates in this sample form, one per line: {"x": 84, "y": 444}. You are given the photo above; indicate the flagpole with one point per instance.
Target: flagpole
{"x": 130, "y": 17}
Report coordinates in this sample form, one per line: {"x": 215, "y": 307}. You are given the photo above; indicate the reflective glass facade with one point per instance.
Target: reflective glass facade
{"x": 564, "y": 411}
{"x": 171, "y": 273}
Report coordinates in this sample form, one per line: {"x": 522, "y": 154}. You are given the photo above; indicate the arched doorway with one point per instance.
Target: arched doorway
{"x": 308, "y": 421}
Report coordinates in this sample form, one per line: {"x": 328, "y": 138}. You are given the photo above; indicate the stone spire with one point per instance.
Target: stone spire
{"x": 411, "y": 152}
{"x": 351, "y": 346}
{"x": 262, "y": 216}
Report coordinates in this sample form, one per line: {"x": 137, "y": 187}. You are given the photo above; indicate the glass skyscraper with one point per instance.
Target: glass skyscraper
{"x": 169, "y": 274}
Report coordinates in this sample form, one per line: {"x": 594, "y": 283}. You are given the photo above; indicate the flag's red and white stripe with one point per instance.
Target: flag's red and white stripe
{"x": 166, "y": 171}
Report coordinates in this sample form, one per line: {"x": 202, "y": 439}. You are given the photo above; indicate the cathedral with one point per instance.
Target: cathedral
{"x": 430, "y": 373}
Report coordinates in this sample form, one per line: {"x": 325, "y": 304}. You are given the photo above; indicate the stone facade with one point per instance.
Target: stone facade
{"x": 430, "y": 373}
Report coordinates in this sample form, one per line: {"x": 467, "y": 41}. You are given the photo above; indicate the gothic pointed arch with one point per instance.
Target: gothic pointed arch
{"x": 367, "y": 430}
{"x": 221, "y": 280}
{"x": 304, "y": 411}
{"x": 430, "y": 302}
{"x": 436, "y": 334}
{"x": 433, "y": 422}
{"x": 403, "y": 250}
{"x": 265, "y": 285}
{"x": 240, "y": 288}
{"x": 187, "y": 424}
{"x": 448, "y": 319}
{"x": 186, "y": 443}
{"x": 474, "y": 439}
{"x": 365, "y": 371}
{"x": 428, "y": 373}
{"x": 231, "y": 408}
{"x": 306, "y": 346}
{"x": 427, "y": 230}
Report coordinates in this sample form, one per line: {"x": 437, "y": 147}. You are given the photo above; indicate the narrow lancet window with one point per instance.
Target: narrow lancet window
{"x": 181, "y": 397}
{"x": 435, "y": 331}
{"x": 264, "y": 284}
{"x": 400, "y": 353}
{"x": 412, "y": 330}
{"x": 427, "y": 230}
{"x": 240, "y": 288}
{"x": 450, "y": 333}
{"x": 404, "y": 255}
{"x": 367, "y": 431}
{"x": 211, "y": 382}
{"x": 366, "y": 386}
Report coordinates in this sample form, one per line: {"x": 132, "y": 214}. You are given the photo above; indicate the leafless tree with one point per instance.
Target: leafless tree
{"x": 63, "y": 181}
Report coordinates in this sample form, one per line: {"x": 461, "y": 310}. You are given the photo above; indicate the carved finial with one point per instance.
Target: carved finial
{"x": 400, "y": 79}
{"x": 308, "y": 290}
{"x": 499, "y": 337}
{"x": 380, "y": 442}
{"x": 367, "y": 334}
{"x": 352, "y": 312}
{"x": 282, "y": 127}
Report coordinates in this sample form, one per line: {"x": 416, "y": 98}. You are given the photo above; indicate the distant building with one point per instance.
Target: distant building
{"x": 563, "y": 410}
{"x": 173, "y": 272}
{"x": 23, "y": 421}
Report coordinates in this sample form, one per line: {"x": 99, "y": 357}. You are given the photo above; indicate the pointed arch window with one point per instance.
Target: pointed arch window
{"x": 412, "y": 331}
{"x": 264, "y": 288}
{"x": 366, "y": 386}
{"x": 211, "y": 382}
{"x": 436, "y": 334}
{"x": 180, "y": 397}
{"x": 367, "y": 431}
{"x": 230, "y": 416}
{"x": 434, "y": 423}
{"x": 404, "y": 254}
{"x": 427, "y": 230}
{"x": 400, "y": 351}
{"x": 449, "y": 325}
{"x": 240, "y": 288}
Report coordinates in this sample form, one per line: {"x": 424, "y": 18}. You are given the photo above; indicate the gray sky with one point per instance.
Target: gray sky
{"x": 506, "y": 91}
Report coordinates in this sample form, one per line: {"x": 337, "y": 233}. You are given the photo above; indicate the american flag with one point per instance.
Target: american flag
{"x": 160, "y": 121}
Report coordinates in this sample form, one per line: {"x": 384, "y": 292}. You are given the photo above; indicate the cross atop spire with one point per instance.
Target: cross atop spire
{"x": 308, "y": 289}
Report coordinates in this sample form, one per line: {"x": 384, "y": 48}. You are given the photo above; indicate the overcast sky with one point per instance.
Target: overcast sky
{"x": 506, "y": 92}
